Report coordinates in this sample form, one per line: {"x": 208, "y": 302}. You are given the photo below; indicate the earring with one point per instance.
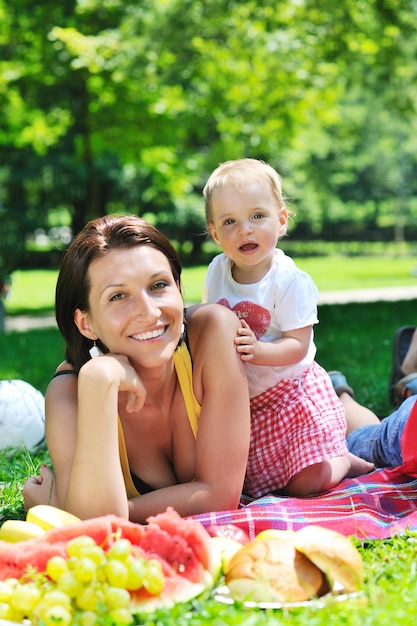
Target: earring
{"x": 95, "y": 351}
{"x": 182, "y": 329}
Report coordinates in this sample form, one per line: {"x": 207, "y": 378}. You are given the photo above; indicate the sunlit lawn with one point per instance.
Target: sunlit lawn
{"x": 356, "y": 338}
{"x": 332, "y": 273}
{"x": 34, "y": 291}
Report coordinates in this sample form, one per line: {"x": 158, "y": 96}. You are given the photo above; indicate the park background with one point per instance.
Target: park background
{"x": 127, "y": 106}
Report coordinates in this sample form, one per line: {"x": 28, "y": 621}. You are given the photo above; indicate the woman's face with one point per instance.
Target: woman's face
{"x": 136, "y": 307}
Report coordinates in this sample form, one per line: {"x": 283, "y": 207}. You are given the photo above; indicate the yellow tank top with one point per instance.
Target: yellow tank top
{"x": 183, "y": 368}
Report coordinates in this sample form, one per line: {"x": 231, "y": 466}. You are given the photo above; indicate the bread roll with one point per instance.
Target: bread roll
{"x": 272, "y": 570}
{"x": 333, "y": 553}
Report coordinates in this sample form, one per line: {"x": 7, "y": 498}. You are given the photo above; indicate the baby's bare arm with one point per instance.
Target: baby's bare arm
{"x": 290, "y": 348}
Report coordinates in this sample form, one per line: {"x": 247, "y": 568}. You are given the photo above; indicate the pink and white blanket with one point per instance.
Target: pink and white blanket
{"x": 375, "y": 506}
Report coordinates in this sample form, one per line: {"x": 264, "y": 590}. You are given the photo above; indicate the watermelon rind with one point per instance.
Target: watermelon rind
{"x": 181, "y": 591}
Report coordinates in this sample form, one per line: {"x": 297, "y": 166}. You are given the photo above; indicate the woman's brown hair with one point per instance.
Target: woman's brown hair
{"x": 96, "y": 239}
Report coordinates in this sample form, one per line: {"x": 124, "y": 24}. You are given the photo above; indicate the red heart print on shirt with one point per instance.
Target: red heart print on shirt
{"x": 254, "y": 315}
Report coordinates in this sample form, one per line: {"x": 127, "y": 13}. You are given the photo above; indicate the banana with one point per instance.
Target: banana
{"x": 14, "y": 530}
{"x": 47, "y": 516}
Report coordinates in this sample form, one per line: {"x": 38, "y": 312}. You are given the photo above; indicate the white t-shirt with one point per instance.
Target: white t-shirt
{"x": 285, "y": 299}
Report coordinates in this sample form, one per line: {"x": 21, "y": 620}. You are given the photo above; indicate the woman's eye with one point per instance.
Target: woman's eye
{"x": 116, "y": 296}
{"x": 160, "y": 284}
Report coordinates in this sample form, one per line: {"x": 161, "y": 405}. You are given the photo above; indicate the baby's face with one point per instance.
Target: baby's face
{"x": 246, "y": 220}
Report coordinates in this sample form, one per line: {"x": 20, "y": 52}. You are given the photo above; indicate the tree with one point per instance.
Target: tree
{"x": 120, "y": 105}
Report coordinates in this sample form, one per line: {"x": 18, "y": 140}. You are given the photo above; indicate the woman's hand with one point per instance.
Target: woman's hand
{"x": 122, "y": 371}
{"x": 40, "y": 489}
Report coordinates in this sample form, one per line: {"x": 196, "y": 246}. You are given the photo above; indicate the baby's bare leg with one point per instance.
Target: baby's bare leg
{"x": 325, "y": 475}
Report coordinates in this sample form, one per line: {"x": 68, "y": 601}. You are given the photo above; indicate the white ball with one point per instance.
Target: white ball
{"x": 22, "y": 415}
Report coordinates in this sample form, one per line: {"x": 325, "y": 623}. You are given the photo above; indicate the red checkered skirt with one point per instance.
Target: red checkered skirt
{"x": 295, "y": 424}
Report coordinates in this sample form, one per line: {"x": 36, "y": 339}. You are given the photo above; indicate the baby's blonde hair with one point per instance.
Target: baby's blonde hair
{"x": 238, "y": 173}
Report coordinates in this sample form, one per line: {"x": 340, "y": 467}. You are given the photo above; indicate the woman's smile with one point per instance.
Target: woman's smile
{"x": 150, "y": 334}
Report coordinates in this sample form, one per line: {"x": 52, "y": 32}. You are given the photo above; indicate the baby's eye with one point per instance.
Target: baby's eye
{"x": 258, "y": 216}
{"x": 228, "y": 221}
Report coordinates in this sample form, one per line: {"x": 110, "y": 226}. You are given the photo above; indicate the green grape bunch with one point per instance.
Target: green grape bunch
{"x": 88, "y": 587}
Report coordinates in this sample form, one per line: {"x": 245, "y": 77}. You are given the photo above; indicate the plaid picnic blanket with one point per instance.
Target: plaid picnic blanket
{"x": 375, "y": 506}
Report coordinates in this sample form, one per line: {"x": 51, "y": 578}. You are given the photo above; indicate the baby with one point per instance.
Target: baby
{"x": 298, "y": 425}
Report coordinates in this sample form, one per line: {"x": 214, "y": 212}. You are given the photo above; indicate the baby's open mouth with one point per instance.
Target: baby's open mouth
{"x": 247, "y": 247}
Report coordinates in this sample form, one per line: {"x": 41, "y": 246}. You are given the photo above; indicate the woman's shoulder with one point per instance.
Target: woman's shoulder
{"x": 210, "y": 325}
{"x": 200, "y": 314}
{"x": 64, "y": 378}
{"x": 63, "y": 369}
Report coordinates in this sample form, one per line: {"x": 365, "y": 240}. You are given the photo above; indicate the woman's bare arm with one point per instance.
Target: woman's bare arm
{"x": 83, "y": 440}
{"x": 222, "y": 444}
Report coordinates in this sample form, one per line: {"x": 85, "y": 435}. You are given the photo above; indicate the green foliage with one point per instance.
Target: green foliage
{"x": 126, "y": 106}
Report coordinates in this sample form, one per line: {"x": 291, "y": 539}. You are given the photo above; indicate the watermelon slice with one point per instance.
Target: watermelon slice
{"x": 185, "y": 545}
{"x": 177, "y": 589}
{"x": 129, "y": 530}
{"x": 182, "y": 546}
{"x": 16, "y": 557}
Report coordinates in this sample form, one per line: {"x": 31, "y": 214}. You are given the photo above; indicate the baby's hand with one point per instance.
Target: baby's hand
{"x": 246, "y": 342}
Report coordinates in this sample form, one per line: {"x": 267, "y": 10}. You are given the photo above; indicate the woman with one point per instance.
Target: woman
{"x": 162, "y": 413}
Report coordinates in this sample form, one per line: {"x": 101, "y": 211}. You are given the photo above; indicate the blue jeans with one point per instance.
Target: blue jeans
{"x": 381, "y": 443}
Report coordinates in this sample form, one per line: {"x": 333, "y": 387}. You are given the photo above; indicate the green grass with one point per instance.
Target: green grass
{"x": 332, "y": 273}
{"x": 34, "y": 291}
{"x": 355, "y": 338}
{"x": 32, "y": 355}
{"x": 340, "y": 272}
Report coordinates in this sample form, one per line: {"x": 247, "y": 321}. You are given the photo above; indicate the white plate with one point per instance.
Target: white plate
{"x": 222, "y": 594}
